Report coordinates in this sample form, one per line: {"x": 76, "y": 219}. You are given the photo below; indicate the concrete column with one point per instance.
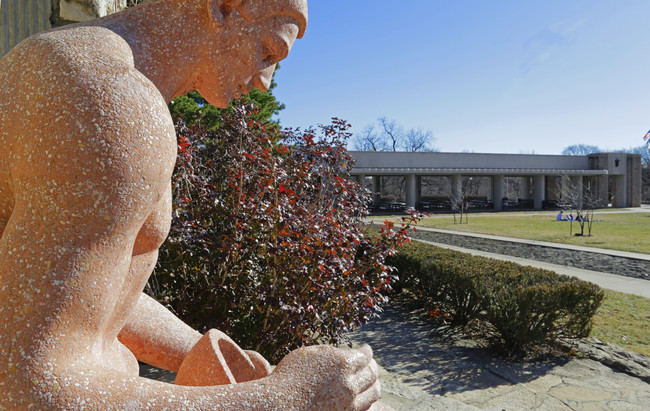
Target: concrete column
{"x": 539, "y": 191}
{"x": 577, "y": 185}
{"x": 634, "y": 180}
{"x": 456, "y": 189}
{"x": 497, "y": 191}
{"x": 490, "y": 188}
{"x": 418, "y": 188}
{"x": 361, "y": 179}
{"x": 376, "y": 189}
{"x": 411, "y": 190}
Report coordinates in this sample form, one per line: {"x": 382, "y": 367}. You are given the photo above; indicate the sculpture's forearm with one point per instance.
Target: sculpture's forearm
{"x": 314, "y": 378}
{"x": 84, "y": 387}
{"x": 156, "y": 336}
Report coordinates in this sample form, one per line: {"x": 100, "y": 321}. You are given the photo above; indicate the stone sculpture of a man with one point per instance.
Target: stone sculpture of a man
{"x": 88, "y": 149}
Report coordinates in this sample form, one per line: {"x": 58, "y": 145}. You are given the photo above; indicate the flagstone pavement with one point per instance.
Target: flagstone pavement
{"x": 425, "y": 366}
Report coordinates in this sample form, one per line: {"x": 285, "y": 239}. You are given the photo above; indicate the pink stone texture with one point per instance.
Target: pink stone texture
{"x": 88, "y": 148}
{"x": 216, "y": 360}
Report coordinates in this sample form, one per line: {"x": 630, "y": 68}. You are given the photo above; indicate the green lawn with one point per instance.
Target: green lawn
{"x": 624, "y": 320}
{"x": 616, "y": 231}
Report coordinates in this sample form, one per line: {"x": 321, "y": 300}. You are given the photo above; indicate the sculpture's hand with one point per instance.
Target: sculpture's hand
{"x": 324, "y": 377}
{"x": 262, "y": 366}
{"x": 216, "y": 360}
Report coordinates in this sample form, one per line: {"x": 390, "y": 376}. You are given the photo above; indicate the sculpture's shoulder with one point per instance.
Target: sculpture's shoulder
{"x": 74, "y": 66}
{"x": 70, "y": 62}
{"x": 75, "y": 47}
{"x": 65, "y": 80}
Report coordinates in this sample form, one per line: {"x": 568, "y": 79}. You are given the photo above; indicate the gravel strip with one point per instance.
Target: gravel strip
{"x": 629, "y": 267}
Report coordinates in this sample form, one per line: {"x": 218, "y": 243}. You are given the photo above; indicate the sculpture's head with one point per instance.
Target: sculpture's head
{"x": 250, "y": 38}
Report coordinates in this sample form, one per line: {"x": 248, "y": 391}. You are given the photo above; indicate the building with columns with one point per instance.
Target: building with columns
{"x": 542, "y": 180}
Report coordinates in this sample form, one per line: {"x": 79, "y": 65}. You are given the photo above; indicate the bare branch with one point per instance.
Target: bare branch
{"x": 418, "y": 140}
{"x": 579, "y": 150}
{"x": 392, "y": 131}
{"x": 391, "y": 137}
{"x": 368, "y": 140}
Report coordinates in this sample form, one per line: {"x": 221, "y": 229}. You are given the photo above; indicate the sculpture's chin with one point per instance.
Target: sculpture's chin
{"x": 216, "y": 100}
{"x": 217, "y": 96}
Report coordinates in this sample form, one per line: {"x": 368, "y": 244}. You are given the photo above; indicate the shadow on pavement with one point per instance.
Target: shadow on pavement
{"x": 436, "y": 358}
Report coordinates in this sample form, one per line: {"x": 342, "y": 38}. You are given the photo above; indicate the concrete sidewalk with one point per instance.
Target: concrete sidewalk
{"x": 605, "y": 280}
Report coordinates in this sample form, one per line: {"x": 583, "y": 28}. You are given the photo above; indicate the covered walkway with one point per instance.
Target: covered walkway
{"x": 449, "y": 180}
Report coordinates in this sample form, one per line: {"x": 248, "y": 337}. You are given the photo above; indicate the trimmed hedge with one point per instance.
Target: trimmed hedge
{"x": 525, "y": 305}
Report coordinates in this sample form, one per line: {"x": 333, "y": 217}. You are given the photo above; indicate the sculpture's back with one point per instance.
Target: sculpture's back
{"x": 77, "y": 178}
{"x": 88, "y": 151}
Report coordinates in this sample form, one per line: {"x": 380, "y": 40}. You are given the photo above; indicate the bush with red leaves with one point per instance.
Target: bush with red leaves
{"x": 267, "y": 242}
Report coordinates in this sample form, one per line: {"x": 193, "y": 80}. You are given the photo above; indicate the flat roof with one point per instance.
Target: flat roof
{"x": 473, "y": 171}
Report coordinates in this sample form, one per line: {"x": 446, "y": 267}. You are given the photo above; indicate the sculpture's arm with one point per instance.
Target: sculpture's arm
{"x": 312, "y": 378}
{"x": 156, "y": 336}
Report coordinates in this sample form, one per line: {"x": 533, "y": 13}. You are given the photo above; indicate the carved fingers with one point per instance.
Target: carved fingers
{"x": 365, "y": 380}
{"x": 368, "y": 398}
{"x": 329, "y": 378}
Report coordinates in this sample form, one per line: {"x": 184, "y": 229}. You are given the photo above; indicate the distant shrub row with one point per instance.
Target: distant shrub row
{"x": 525, "y": 305}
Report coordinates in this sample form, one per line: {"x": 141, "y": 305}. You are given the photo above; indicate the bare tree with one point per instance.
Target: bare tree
{"x": 418, "y": 140}
{"x": 580, "y": 150}
{"x": 581, "y": 199}
{"x": 392, "y": 132}
{"x": 461, "y": 205}
{"x": 388, "y": 135}
{"x": 368, "y": 140}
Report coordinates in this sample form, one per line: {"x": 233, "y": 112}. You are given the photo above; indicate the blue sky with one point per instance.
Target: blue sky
{"x": 484, "y": 75}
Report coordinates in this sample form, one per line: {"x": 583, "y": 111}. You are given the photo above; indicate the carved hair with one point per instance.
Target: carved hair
{"x": 257, "y": 10}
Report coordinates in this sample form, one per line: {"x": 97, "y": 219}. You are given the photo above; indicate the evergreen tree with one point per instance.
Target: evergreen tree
{"x": 192, "y": 107}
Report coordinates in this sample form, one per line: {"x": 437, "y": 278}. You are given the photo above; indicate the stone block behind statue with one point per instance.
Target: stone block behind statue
{"x": 85, "y": 202}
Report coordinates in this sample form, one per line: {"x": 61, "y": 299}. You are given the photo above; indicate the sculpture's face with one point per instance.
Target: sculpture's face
{"x": 244, "y": 55}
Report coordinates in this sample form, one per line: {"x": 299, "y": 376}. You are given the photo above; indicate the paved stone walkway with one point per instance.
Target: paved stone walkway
{"x": 428, "y": 367}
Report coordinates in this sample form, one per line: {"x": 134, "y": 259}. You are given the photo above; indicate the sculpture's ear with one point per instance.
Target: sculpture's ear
{"x": 221, "y": 9}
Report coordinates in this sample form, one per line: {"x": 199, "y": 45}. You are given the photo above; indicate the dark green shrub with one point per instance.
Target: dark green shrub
{"x": 580, "y": 300}
{"x": 458, "y": 288}
{"x": 528, "y": 305}
{"x": 521, "y": 313}
{"x": 443, "y": 277}
{"x": 525, "y": 305}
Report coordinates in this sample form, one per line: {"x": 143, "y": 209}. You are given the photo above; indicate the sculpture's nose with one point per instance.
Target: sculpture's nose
{"x": 262, "y": 80}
